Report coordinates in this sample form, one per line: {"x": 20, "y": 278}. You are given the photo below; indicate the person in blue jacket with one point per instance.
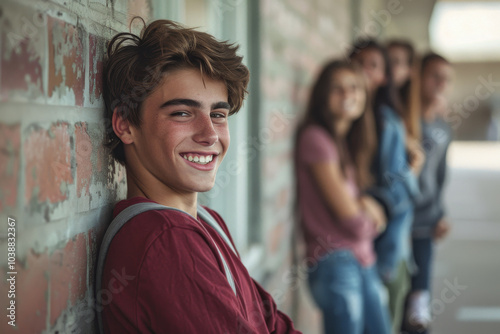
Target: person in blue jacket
{"x": 395, "y": 174}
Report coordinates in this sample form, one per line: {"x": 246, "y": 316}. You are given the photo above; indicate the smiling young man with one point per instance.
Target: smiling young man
{"x": 168, "y": 95}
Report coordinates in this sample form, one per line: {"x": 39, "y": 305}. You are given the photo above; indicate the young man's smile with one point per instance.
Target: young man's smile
{"x": 200, "y": 160}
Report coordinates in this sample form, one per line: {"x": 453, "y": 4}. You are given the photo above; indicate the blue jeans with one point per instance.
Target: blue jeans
{"x": 422, "y": 252}
{"x": 393, "y": 246}
{"x": 351, "y": 297}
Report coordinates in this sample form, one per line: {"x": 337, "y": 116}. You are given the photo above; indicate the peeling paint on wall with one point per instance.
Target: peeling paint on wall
{"x": 66, "y": 67}
{"x": 138, "y": 8}
{"x": 68, "y": 275}
{"x": 98, "y": 178}
{"x": 22, "y": 50}
{"x": 10, "y": 142}
{"x": 83, "y": 150}
{"x": 48, "y": 164}
{"x": 116, "y": 174}
{"x": 96, "y": 54}
{"x": 21, "y": 69}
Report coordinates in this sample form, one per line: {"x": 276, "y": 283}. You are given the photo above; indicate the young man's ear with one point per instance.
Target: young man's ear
{"x": 121, "y": 127}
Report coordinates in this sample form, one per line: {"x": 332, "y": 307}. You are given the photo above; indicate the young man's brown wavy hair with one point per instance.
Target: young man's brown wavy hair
{"x": 135, "y": 66}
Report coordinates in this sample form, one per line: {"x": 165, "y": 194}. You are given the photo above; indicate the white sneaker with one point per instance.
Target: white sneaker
{"x": 418, "y": 315}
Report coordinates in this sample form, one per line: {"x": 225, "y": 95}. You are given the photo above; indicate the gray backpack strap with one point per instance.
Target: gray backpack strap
{"x": 207, "y": 217}
{"x": 210, "y": 220}
{"x": 113, "y": 228}
{"x": 128, "y": 213}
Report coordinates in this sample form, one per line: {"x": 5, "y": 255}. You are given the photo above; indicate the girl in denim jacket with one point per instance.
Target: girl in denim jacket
{"x": 395, "y": 177}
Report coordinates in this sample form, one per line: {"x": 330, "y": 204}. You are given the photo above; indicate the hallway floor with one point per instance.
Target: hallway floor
{"x": 466, "y": 285}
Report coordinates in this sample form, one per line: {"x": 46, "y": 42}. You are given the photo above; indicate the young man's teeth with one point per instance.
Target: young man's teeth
{"x": 202, "y": 160}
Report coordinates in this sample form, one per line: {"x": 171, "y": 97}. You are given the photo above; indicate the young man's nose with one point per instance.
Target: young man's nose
{"x": 205, "y": 131}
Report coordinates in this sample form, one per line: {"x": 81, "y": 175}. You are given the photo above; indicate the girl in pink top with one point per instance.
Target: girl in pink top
{"x": 335, "y": 144}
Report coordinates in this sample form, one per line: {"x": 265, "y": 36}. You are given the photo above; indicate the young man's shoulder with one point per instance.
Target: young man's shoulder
{"x": 152, "y": 234}
{"x": 148, "y": 226}
{"x": 153, "y": 219}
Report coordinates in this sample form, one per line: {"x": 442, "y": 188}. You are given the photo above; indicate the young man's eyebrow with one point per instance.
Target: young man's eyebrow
{"x": 221, "y": 105}
{"x": 181, "y": 102}
{"x": 194, "y": 104}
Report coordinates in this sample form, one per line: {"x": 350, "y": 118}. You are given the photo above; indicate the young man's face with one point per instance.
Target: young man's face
{"x": 184, "y": 133}
{"x": 436, "y": 79}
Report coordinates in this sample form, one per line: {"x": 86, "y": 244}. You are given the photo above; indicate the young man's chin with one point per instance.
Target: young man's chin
{"x": 201, "y": 188}
{"x": 205, "y": 189}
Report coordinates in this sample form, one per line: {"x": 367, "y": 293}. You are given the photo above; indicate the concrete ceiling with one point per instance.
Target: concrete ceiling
{"x": 412, "y": 22}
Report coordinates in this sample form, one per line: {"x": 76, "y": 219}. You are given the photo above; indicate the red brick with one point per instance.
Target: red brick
{"x": 48, "y": 163}
{"x": 276, "y": 237}
{"x": 20, "y": 69}
{"x": 83, "y": 150}
{"x": 21, "y": 60}
{"x": 10, "y": 141}
{"x": 31, "y": 295}
{"x": 97, "y": 47}
{"x": 68, "y": 275}
{"x": 66, "y": 66}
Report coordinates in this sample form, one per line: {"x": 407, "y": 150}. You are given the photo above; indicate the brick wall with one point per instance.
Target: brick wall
{"x": 297, "y": 38}
{"x": 57, "y": 180}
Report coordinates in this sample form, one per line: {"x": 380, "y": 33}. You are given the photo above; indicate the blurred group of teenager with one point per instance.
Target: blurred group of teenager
{"x": 370, "y": 157}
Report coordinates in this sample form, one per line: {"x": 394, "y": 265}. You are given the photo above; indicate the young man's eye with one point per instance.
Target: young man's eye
{"x": 218, "y": 115}
{"x": 180, "y": 113}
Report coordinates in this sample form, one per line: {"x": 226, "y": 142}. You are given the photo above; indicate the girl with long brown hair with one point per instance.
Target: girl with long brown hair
{"x": 334, "y": 148}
